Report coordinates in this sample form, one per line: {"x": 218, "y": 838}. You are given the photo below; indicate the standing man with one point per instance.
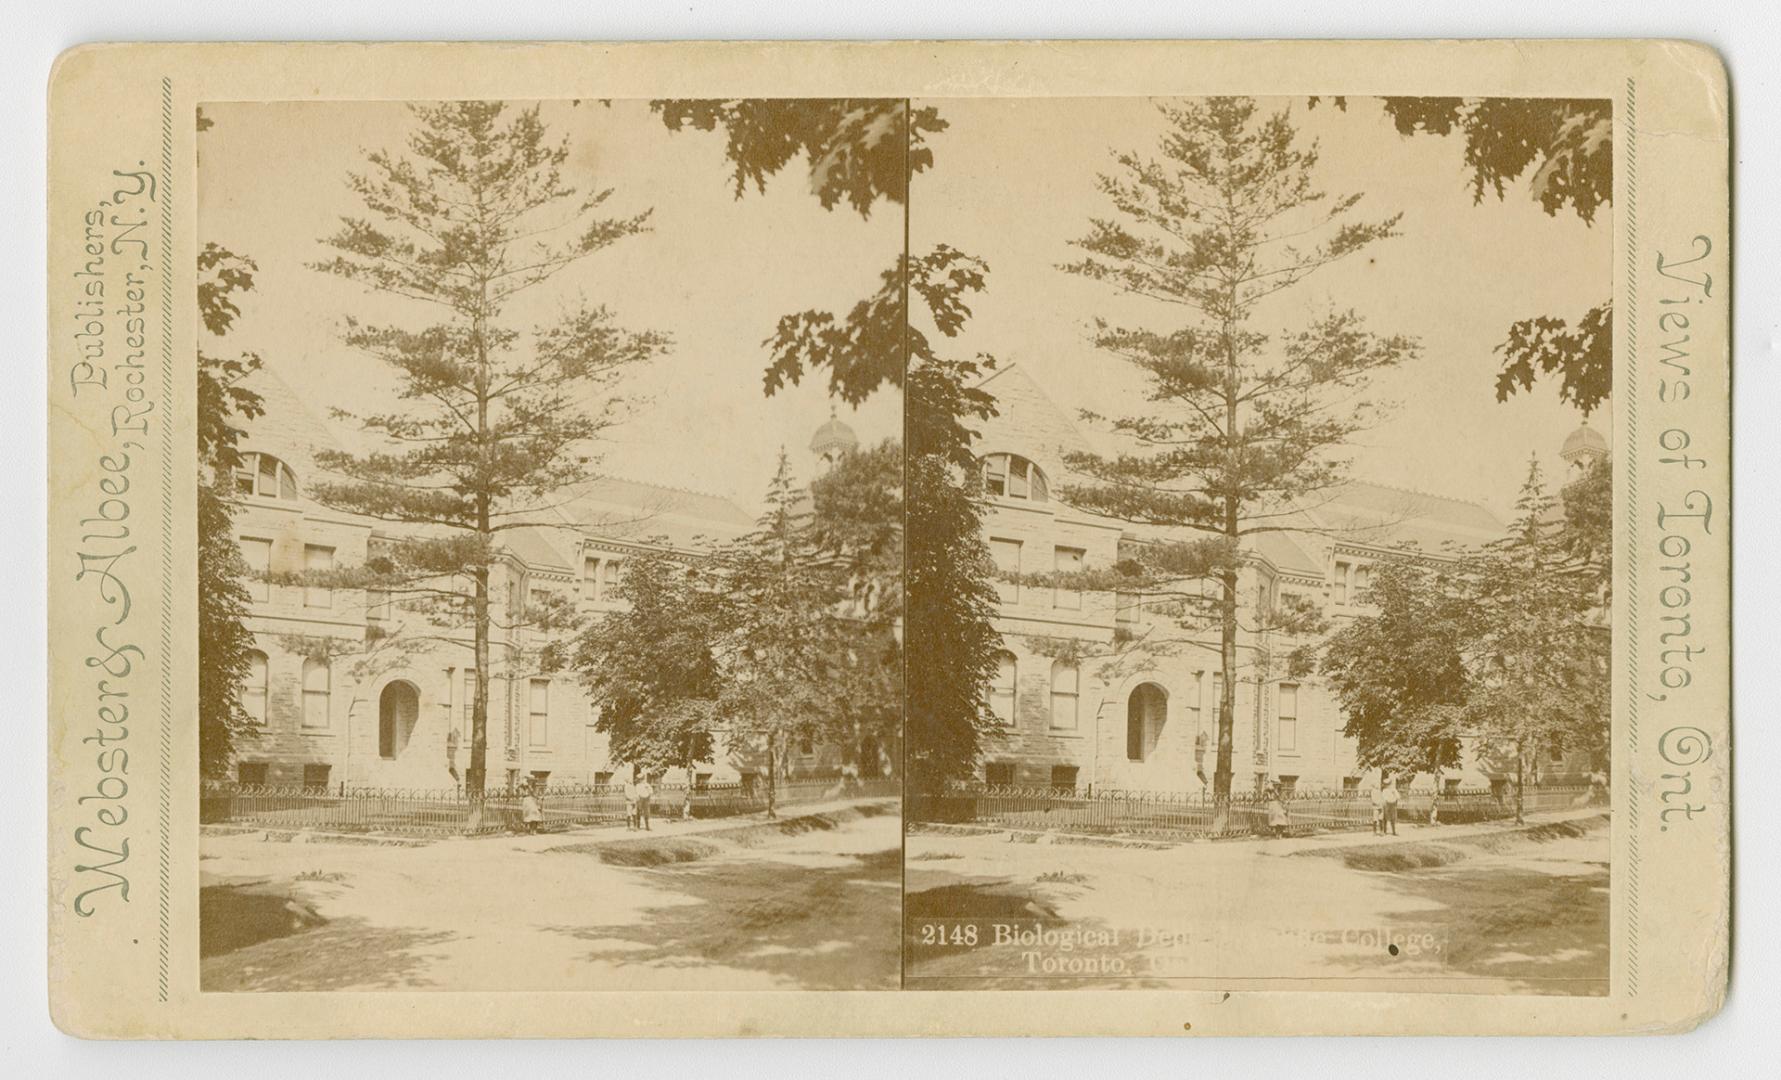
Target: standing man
{"x": 1378, "y": 794}
{"x": 644, "y": 792}
{"x": 1391, "y": 805}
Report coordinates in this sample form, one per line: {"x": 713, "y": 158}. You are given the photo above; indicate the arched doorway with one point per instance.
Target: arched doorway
{"x": 398, "y": 708}
{"x": 1146, "y": 711}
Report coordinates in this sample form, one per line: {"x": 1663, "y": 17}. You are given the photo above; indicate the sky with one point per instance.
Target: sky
{"x": 715, "y": 273}
{"x": 1013, "y": 182}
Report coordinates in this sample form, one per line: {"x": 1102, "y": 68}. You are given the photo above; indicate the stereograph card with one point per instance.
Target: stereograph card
{"x": 888, "y": 539}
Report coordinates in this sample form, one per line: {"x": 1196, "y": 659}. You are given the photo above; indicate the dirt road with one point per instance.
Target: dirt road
{"x": 1454, "y": 909}
{"x": 808, "y": 902}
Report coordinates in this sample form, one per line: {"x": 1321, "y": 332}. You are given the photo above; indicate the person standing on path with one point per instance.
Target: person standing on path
{"x": 645, "y": 791}
{"x": 1276, "y": 812}
{"x": 1391, "y": 805}
{"x": 531, "y": 813}
{"x": 1379, "y": 807}
{"x": 631, "y": 804}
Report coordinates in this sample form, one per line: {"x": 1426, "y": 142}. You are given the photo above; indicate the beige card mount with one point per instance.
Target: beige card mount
{"x": 888, "y": 539}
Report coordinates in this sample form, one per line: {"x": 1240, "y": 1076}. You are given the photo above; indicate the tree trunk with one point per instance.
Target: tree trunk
{"x": 1435, "y": 772}
{"x": 1519, "y": 772}
{"x": 686, "y": 802}
{"x": 476, "y": 776}
{"x": 772, "y": 776}
{"x": 1227, "y": 698}
{"x": 1227, "y": 605}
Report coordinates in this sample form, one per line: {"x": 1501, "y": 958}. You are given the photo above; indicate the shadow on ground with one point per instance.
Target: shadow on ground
{"x": 262, "y": 940}
{"x": 832, "y": 928}
{"x": 1544, "y": 933}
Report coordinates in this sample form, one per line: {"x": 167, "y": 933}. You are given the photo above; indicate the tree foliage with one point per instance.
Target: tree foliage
{"x": 855, "y": 150}
{"x": 494, "y": 425}
{"x": 1400, "y": 673}
{"x": 1240, "y": 424}
{"x": 651, "y": 667}
{"x": 948, "y": 575}
{"x": 1565, "y": 148}
{"x": 224, "y": 641}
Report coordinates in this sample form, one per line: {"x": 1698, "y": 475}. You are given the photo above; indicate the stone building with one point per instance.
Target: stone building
{"x": 1110, "y": 691}
{"x": 348, "y": 687}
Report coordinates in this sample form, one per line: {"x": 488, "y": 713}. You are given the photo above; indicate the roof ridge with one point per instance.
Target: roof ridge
{"x": 663, "y": 487}
{"x": 1419, "y": 492}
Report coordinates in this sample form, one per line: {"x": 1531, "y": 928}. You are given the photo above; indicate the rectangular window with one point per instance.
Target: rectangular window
{"x": 540, "y": 778}
{"x": 610, "y": 575}
{"x": 1288, "y": 786}
{"x": 318, "y": 688}
{"x": 253, "y": 689}
{"x": 377, "y": 605}
{"x": 469, "y": 700}
{"x": 999, "y": 773}
{"x": 1450, "y": 786}
{"x": 315, "y": 777}
{"x": 258, "y": 556}
{"x": 1001, "y": 690}
{"x": 1126, "y": 608}
{"x": 1067, "y": 561}
{"x": 702, "y": 781}
{"x": 590, "y": 579}
{"x": 995, "y": 474}
{"x": 1339, "y": 587}
{"x": 540, "y": 712}
{"x": 447, "y": 711}
{"x": 1007, "y": 556}
{"x": 318, "y": 559}
{"x": 251, "y": 773}
{"x": 603, "y": 777}
{"x": 1063, "y": 778}
{"x": 1351, "y": 785}
{"x": 1017, "y": 480}
{"x": 1363, "y": 580}
{"x": 1218, "y": 694}
{"x": 1066, "y": 680}
{"x": 1289, "y": 718}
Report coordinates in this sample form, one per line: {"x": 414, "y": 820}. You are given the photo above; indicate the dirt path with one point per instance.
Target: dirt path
{"x": 1484, "y": 911}
{"x": 810, "y": 902}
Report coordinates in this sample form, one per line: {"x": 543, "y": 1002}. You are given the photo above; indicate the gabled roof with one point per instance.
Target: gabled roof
{"x": 605, "y": 507}
{"x": 1027, "y": 422}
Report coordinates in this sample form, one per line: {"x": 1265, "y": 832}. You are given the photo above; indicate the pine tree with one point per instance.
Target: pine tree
{"x": 493, "y": 425}
{"x": 1538, "y": 659}
{"x": 1242, "y": 424}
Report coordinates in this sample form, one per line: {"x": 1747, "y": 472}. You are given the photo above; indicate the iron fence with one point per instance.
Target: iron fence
{"x": 1164, "y": 815}
{"x": 449, "y": 812}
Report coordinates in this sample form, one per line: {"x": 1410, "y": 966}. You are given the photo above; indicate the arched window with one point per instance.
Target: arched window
{"x": 253, "y": 688}
{"x": 1066, "y": 678}
{"x": 265, "y": 476}
{"x": 1011, "y": 476}
{"x": 318, "y": 685}
{"x": 1146, "y": 711}
{"x": 1001, "y": 689}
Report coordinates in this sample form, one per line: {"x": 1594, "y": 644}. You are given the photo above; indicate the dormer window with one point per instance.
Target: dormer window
{"x": 265, "y": 477}
{"x": 1010, "y": 476}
